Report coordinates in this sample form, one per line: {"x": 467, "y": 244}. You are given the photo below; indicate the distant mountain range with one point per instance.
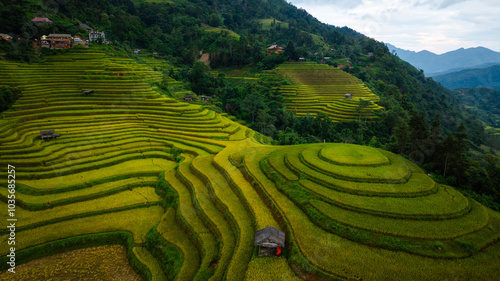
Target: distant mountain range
{"x": 478, "y": 77}
{"x": 434, "y": 64}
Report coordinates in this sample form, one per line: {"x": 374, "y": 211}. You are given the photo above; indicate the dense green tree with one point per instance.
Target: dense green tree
{"x": 402, "y": 134}
{"x": 8, "y": 95}
{"x": 290, "y": 51}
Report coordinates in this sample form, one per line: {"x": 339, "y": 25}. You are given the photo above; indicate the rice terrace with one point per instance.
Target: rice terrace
{"x": 320, "y": 88}
{"x": 183, "y": 189}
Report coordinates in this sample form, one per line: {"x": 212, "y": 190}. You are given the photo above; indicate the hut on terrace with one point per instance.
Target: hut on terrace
{"x": 49, "y": 134}
{"x": 270, "y": 241}
{"x": 348, "y": 96}
{"x": 188, "y": 98}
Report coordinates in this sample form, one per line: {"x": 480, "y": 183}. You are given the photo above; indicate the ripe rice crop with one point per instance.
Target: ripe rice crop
{"x": 321, "y": 88}
{"x": 348, "y": 212}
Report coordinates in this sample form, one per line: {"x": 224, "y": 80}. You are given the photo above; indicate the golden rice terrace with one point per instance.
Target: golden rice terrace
{"x": 321, "y": 88}
{"x": 184, "y": 189}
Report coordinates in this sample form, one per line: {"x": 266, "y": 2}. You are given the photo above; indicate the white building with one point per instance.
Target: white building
{"x": 94, "y": 35}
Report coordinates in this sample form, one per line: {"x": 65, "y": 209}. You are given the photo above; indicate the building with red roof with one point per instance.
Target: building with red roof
{"x": 41, "y": 20}
{"x": 274, "y": 49}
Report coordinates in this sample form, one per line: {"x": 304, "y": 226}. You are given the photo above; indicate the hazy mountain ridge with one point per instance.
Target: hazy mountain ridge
{"x": 434, "y": 64}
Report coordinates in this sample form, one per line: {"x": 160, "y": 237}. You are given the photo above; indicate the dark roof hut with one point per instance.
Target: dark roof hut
{"x": 49, "y": 134}
{"x": 84, "y": 26}
{"x": 188, "y": 98}
{"x": 348, "y": 96}
{"x": 205, "y": 99}
{"x": 270, "y": 241}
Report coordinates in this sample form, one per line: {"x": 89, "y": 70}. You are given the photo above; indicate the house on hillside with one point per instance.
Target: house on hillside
{"x": 96, "y": 35}
{"x": 270, "y": 240}
{"x": 56, "y": 41}
{"x": 325, "y": 59}
{"x": 188, "y": 98}
{"x": 274, "y": 49}
{"x": 5, "y": 37}
{"x": 348, "y": 96}
{"x": 84, "y": 26}
{"x": 38, "y": 20}
{"x": 205, "y": 99}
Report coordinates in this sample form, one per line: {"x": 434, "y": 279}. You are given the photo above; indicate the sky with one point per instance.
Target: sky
{"x": 438, "y": 26}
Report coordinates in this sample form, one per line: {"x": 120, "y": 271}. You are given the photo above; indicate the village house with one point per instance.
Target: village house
{"x": 205, "y": 99}
{"x": 325, "y": 59}
{"x": 270, "y": 240}
{"x": 274, "y": 49}
{"x": 96, "y": 35}
{"x": 38, "y": 20}
{"x": 84, "y": 26}
{"x": 56, "y": 41}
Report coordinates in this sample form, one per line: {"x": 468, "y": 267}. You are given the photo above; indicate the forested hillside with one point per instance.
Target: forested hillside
{"x": 488, "y": 77}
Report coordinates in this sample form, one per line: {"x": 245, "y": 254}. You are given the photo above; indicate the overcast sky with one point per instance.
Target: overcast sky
{"x": 438, "y": 26}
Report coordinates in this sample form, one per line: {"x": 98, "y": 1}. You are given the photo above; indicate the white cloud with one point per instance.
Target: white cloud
{"x": 435, "y": 25}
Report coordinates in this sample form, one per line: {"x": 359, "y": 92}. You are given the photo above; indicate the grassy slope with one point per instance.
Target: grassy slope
{"x": 359, "y": 214}
{"x": 208, "y": 28}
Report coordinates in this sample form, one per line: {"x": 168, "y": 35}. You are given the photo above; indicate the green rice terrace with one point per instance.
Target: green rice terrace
{"x": 184, "y": 189}
{"x": 321, "y": 88}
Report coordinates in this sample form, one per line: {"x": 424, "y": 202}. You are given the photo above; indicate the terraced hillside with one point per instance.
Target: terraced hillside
{"x": 349, "y": 212}
{"x": 321, "y": 88}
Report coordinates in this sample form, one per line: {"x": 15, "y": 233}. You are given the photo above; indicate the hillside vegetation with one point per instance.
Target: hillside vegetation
{"x": 185, "y": 188}
{"x": 470, "y": 78}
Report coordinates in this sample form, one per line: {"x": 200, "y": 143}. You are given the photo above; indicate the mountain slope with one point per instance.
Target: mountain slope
{"x": 484, "y": 102}
{"x": 470, "y": 78}
{"x": 459, "y": 59}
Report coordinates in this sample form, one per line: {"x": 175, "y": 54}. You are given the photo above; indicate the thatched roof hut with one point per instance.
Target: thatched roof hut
{"x": 270, "y": 241}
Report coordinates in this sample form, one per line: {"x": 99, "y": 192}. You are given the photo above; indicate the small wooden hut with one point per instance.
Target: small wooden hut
{"x": 270, "y": 241}
{"x": 348, "y": 96}
{"x": 188, "y": 98}
{"x": 205, "y": 99}
{"x": 49, "y": 134}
